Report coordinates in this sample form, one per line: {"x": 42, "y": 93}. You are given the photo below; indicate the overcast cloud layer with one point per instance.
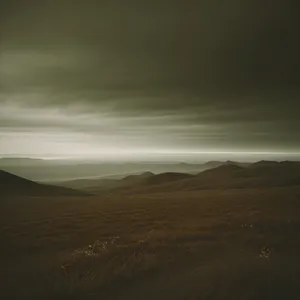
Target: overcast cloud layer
{"x": 81, "y": 78}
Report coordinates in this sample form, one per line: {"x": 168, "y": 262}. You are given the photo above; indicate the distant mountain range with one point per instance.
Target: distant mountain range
{"x": 229, "y": 175}
{"x": 225, "y": 175}
{"x": 62, "y": 170}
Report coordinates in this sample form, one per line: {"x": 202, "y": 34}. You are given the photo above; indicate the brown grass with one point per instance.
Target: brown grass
{"x": 233, "y": 244}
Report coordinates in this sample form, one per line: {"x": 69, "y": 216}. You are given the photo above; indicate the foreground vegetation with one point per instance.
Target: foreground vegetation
{"x": 226, "y": 244}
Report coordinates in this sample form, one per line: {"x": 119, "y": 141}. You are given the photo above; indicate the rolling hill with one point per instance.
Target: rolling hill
{"x": 11, "y": 184}
{"x": 144, "y": 180}
{"x": 226, "y": 176}
{"x": 60, "y": 170}
{"x": 231, "y": 176}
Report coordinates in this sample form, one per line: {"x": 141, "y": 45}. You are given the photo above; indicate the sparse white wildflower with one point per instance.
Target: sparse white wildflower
{"x": 265, "y": 253}
{"x": 95, "y": 249}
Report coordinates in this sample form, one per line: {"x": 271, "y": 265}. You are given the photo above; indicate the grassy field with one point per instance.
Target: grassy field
{"x": 222, "y": 244}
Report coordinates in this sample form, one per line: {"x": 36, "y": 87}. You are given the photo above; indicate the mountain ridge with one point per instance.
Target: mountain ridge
{"x": 226, "y": 176}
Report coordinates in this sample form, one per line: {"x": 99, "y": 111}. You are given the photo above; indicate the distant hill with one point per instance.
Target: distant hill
{"x": 215, "y": 164}
{"x": 223, "y": 170}
{"x": 233, "y": 176}
{"x": 103, "y": 184}
{"x": 59, "y": 170}
{"x": 166, "y": 177}
{"x": 145, "y": 180}
{"x": 131, "y": 181}
{"x": 11, "y": 184}
{"x": 125, "y": 172}
{"x": 139, "y": 176}
{"x": 226, "y": 176}
{"x": 265, "y": 163}
{"x": 209, "y": 179}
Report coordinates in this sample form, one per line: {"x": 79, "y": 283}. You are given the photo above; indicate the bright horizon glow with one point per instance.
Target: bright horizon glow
{"x": 159, "y": 154}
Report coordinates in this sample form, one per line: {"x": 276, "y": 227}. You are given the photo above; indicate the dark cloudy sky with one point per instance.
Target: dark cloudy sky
{"x": 81, "y": 78}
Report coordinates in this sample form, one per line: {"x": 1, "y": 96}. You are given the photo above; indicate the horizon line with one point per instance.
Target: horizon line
{"x": 156, "y": 153}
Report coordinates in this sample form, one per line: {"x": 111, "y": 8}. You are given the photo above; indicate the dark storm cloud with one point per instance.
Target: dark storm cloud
{"x": 229, "y": 69}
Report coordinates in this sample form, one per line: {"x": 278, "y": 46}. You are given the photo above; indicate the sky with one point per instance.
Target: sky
{"x": 136, "y": 78}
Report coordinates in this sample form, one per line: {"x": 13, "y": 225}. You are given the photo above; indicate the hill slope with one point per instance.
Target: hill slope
{"x": 227, "y": 176}
{"x": 144, "y": 180}
{"x": 11, "y": 184}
